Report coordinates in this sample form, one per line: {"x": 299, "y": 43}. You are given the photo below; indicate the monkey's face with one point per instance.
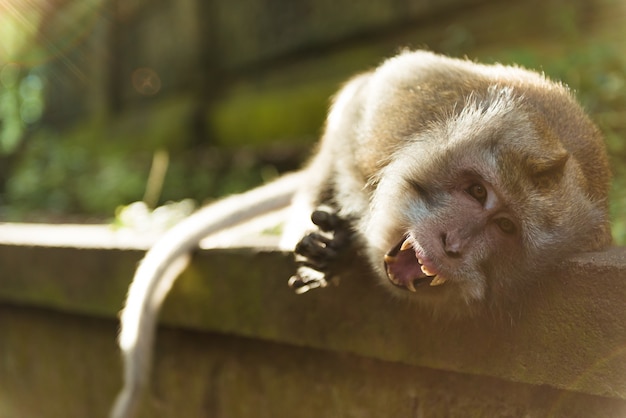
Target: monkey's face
{"x": 452, "y": 244}
{"x": 463, "y": 221}
{"x": 456, "y": 245}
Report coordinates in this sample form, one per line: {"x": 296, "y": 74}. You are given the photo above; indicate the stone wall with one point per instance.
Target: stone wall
{"x": 235, "y": 341}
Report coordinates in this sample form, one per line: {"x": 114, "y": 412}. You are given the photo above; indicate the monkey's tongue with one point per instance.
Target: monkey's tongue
{"x": 405, "y": 270}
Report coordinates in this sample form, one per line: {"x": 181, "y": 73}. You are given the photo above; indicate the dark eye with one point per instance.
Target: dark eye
{"x": 478, "y": 192}
{"x": 506, "y": 225}
{"x": 417, "y": 186}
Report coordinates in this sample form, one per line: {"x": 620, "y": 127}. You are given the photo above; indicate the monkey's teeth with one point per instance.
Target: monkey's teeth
{"x": 427, "y": 272}
{"x": 408, "y": 285}
{"x": 392, "y": 278}
{"x": 438, "y": 281}
{"x": 389, "y": 259}
{"x": 406, "y": 245}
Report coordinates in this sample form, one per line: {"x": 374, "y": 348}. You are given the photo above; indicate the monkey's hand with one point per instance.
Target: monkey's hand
{"x": 317, "y": 252}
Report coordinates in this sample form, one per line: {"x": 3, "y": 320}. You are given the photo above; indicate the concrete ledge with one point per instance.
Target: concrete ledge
{"x": 570, "y": 339}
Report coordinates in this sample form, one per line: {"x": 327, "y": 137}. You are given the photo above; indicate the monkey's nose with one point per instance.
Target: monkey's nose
{"x": 453, "y": 244}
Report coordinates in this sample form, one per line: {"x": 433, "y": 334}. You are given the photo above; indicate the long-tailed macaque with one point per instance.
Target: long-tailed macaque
{"x": 461, "y": 182}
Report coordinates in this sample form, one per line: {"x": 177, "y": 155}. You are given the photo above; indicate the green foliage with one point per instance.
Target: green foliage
{"x": 253, "y": 117}
{"x": 21, "y": 104}
{"x": 95, "y": 166}
{"x": 139, "y": 217}
{"x": 61, "y": 174}
{"x": 100, "y": 164}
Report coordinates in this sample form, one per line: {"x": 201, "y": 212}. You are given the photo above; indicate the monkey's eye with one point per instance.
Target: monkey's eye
{"x": 418, "y": 187}
{"x": 478, "y": 192}
{"x": 506, "y": 225}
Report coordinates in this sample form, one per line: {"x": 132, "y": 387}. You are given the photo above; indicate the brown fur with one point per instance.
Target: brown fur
{"x": 435, "y": 122}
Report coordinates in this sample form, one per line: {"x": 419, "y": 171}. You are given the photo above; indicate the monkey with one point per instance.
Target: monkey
{"x": 460, "y": 183}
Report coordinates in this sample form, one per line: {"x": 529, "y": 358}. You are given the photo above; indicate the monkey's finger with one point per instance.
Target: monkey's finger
{"x": 322, "y": 265}
{"x": 306, "y": 279}
{"x": 326, "y": 219}
{"x": 315, "y": 246}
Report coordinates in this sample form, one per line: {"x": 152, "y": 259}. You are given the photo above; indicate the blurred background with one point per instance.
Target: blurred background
{"x": 108, "y": 102}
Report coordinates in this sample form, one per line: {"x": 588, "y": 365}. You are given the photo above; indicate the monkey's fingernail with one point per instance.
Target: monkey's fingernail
{"x": 426, "y": 271}
{"x": 438, "y": 281}
{"x": 389, "y": 259}
{"x": 406, "y": 245}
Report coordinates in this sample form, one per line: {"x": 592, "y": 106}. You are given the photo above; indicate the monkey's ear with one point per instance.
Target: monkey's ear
{"x": 547, "y": 168}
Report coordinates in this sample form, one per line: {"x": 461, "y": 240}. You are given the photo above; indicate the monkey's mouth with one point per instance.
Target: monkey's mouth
{"x": 407, "y": 268}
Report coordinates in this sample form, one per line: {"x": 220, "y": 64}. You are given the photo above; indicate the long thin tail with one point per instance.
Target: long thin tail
{"x": 165, "y": 261}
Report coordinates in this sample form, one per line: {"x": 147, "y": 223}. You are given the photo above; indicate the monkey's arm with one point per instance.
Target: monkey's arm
{"x": 336, "y": 199}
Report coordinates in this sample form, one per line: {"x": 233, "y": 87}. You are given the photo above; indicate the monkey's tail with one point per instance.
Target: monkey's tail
{"x": 165, "y": 261}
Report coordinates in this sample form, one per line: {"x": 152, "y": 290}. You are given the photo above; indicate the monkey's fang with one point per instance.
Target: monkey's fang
{"x": 405, "y": 270}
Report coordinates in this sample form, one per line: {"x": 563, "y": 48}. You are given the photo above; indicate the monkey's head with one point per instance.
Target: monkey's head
{"x": 483, "y": 200}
